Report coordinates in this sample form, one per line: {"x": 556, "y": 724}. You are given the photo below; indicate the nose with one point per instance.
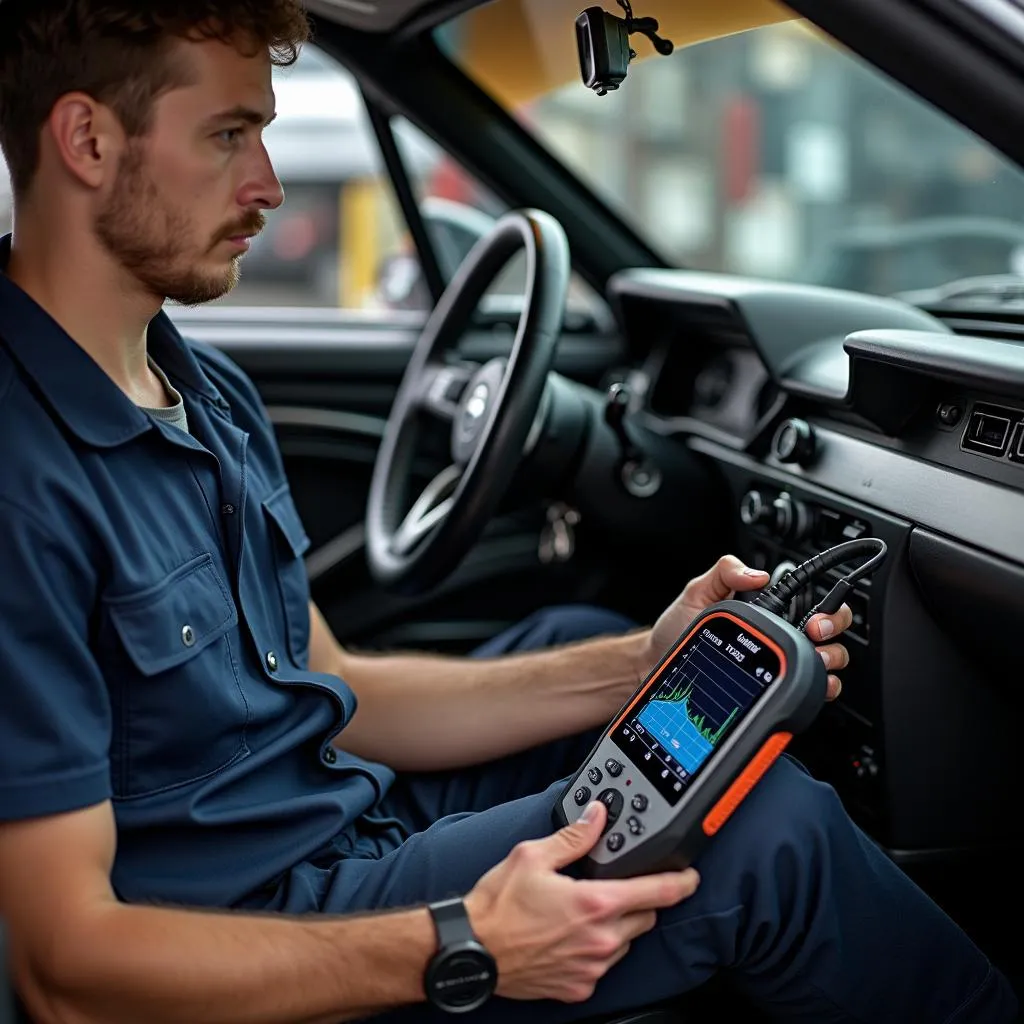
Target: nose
{"x": 262, "y": 188}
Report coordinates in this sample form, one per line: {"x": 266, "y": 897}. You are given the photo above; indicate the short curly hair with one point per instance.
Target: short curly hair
{"x": 116, "y": 51}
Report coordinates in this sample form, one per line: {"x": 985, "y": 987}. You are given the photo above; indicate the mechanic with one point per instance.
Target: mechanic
{"x": 198, "y": 825}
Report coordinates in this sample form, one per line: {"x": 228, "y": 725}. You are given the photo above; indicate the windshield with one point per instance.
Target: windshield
{"x": 769, "y": 152}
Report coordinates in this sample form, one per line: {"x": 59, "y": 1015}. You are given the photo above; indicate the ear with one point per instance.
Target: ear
{"x": 88, "y": 138}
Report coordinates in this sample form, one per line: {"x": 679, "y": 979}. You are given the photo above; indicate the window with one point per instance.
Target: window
{"x": 771, "y": 152}
{"x": 458, "y": 211}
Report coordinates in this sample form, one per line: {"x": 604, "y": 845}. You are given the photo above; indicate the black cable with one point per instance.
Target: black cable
{"x": 778, "y": 597}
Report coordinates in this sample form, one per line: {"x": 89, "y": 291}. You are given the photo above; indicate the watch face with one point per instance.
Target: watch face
{"x": 462, "y": 979}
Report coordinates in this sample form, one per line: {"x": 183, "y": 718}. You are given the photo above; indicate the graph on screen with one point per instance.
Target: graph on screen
{"x": 696, "y": 704}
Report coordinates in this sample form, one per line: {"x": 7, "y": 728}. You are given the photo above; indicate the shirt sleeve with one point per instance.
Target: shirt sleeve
{"x": 55, "y": 716}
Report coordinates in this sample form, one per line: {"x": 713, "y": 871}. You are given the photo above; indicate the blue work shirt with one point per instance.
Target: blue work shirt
{"x": 154, "y": 622}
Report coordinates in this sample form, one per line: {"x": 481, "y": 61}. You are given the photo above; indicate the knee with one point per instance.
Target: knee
{"x": 562, "y": 624}
{"x": 784, "y": 833}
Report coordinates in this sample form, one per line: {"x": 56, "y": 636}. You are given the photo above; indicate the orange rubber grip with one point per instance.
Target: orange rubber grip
{"x": 746, "y": 781}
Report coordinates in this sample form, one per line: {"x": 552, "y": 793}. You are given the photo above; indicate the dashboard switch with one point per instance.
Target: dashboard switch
{"x": 792, "y": 519}
{"x": 754, "y": 510}
{"x": 794, "y": 442}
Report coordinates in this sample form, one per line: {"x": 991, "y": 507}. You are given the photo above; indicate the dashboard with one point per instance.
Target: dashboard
{"x": 829, "y": 415}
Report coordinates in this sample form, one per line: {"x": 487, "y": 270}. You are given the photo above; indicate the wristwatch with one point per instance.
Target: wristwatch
{"x": 462, "y": 975}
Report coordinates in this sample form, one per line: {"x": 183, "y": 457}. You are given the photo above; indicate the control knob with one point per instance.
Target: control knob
{"x": 794, "y": 442}
{"x": 792, "y": 520}
{"x": 755, "y": 509}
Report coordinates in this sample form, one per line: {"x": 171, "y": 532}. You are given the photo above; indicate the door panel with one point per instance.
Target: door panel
{"x": 328, "y": 379}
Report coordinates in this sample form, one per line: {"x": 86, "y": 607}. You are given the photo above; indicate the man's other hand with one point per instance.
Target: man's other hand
{"x": 554, "y": 937}
{"x": 727, "y": 577}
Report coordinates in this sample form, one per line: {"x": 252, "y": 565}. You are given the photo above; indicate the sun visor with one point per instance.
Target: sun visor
{"x": 518, "y": 50}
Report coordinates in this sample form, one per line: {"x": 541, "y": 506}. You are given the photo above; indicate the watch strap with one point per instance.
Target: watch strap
{"x": 451, "y": 922}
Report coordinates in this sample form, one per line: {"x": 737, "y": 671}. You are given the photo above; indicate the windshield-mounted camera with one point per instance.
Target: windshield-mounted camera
{"x": 602, "y": 40}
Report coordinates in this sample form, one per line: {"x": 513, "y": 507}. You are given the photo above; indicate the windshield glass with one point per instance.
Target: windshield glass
{"x": 769, "y": 152}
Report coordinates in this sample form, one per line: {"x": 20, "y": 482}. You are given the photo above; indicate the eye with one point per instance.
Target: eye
{"x": 230, "y": 136}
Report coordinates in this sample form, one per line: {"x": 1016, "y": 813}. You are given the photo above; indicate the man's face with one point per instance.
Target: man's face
{"x": 191, "y": 192}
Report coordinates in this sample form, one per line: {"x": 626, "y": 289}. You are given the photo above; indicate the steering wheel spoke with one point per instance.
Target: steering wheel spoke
{"x": 440, "y": 388}
{"x": 427, "y": 511}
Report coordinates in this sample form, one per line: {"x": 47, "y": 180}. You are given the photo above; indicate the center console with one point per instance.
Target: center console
{"x": 918, "y": 742}
{"x": 779, "y": 526}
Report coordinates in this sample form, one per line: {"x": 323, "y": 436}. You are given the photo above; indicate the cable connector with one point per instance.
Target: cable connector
{"x": 776, "y": 598}
{"x": 830, "y": 603}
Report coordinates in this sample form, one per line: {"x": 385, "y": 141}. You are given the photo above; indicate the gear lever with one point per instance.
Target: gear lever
{"x": 639, "y": 475}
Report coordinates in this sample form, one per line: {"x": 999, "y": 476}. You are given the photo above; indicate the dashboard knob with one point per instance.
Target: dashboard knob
{"x": 792, "y": 520}
{"x": 794, "y": 442}
{"x": 754, "y": 509}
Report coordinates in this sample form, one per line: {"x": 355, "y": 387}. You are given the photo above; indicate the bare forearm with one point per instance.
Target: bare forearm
{"x": 140, "y": 963}
{"x": 437, "y": 713}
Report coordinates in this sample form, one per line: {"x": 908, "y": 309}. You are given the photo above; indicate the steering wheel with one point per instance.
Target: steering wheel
{"x": 491, "y": 409}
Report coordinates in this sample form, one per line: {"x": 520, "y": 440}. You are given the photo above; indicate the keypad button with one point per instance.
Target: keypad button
{"x": 639, "y": 802}
{"x": 581, "y": 796}
{"x": 635, "y": 826}
{"x": 613, "y": 767}
{"x": 615, "y": 841}
{"x": 595, "y": 775}
{"x": 612, "y": 800}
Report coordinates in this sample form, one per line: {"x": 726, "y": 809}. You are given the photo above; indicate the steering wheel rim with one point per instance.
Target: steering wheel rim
{"x": 491, "y": 418}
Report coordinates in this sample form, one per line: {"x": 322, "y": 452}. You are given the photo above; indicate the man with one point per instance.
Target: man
{"x": 197, "y": 823}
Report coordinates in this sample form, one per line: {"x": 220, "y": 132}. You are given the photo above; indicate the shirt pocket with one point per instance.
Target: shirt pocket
{"x": 180, "y": 711}
{"x": 290, "y": 544}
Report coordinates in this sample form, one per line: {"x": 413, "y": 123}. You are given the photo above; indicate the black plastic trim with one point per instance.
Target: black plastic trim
{"x": 977, "y": 512}
{"x": 406, "y": 196}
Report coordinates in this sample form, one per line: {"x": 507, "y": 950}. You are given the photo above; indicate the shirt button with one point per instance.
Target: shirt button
{"x": 330, "y": 755}
{"x": 227, "y": 510}
{"x": 188, "y": 636}
{"x": 271, "y": 661}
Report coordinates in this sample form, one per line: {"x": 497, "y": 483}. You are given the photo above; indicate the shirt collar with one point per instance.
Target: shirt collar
{"x": 91, "y": 405}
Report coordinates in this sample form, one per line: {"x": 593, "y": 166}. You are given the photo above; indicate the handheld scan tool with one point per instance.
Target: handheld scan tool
{"x": 707, "y": 723}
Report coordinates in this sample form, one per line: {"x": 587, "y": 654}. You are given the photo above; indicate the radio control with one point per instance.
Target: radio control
{"x": 613, "y": 768}
{"x": 581, "y": 796}
{"x": 639, "y": 802}
{"x": 595, "y": 775}
{"x": 615, "y": 841}
{"x": 755, "y": 509}
{"x": 794, "y": 442}
{"x": 792, "y": 519}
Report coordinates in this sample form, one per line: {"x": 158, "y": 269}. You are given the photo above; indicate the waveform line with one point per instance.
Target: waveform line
{"x": 681, "y": 695}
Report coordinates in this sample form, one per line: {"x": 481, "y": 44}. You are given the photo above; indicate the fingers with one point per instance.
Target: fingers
{"x": 725, "y": 577}
{"x": 822, "y": 627}
{"x": 575, "y": 840}
{"x": 629, "y": 896}
{"x": 835, "y": 656}
{"x": 835, "y": 687}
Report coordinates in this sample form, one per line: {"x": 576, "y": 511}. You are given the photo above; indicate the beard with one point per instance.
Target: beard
{"x": 155, "y": 241}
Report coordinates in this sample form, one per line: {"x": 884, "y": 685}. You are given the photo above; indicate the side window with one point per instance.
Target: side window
{"x": 340, "y": 225}
{"x": 458, "y": 211}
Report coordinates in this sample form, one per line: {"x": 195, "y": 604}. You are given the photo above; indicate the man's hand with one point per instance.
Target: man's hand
{"x": 554, "y": 937}
{"x": 721, "y": 582}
